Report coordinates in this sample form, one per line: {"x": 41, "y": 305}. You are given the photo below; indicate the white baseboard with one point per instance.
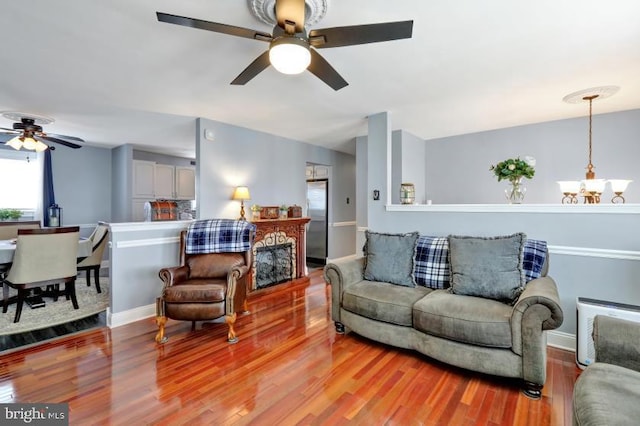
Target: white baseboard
{"x": 132, "y": 315}
{"x": 561, "y": 340}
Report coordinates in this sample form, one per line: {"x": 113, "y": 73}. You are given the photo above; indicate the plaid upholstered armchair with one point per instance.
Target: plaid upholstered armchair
{"x": 211, "y": 281}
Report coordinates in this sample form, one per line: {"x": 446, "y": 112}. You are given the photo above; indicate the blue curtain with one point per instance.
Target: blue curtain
{"x": 48, "y": 197}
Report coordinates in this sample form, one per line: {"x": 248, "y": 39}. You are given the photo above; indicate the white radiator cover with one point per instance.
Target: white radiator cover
{"x": 587, "y": 310}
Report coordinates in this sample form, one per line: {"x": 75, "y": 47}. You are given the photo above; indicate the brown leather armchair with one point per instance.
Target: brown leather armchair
{"x": 204, "y": 287}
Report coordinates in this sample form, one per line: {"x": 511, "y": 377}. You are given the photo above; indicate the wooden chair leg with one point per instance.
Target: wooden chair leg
{"x": 21, "y": 296}
{"x": 5, "y": 298}
{"x": 70, "y": 290}
{"x": 193, "y": 326}
{"x": 88, "y": 278}
{"x": 160, "y": 337}
{"x": 96, "y": 278}
{"x": 231, "y": 335}
{"x": 245, "y": 307}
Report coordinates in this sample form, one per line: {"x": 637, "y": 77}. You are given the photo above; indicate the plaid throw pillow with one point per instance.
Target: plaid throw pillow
{"x": 219, "y": 236}
{"x": 535, "y": 253}
{"x": 431, "y": 268}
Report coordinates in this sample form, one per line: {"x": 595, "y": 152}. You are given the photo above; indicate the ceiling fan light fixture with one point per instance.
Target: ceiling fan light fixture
{"x": 289, "y": 55}
{"x": 15, "y": 143}
{"x": 29, "y": 143}
{"x": 40, "y": 146}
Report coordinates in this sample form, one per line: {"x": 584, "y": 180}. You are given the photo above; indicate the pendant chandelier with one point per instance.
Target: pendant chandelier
{"x": 591, "y": 188}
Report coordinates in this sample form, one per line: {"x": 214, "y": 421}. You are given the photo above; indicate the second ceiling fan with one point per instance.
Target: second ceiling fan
{"x": 291, "y": 48}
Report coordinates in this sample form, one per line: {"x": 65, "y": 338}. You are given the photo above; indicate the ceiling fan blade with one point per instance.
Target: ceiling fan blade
{"x": 43, "y": 138}
{"x": 360, "y": 34}
{"x": 292, "y": 11}
{"x": 255, "y": 68}
{"x": 214, "y": 26}
{"x": 10, "y": 130}
{"x": 325, "y": 72}
{"x": 71, "y": 138}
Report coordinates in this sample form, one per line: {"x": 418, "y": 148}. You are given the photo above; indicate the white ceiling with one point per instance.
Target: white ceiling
{"x": 109, "y": 73}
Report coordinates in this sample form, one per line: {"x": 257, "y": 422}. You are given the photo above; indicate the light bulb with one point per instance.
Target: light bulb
{"x": 289, "y": 55}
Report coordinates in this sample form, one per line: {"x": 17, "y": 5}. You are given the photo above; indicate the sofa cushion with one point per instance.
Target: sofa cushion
{"x": 214, "y": 265}
{"x": 487, "y": 267}
{"x": 194, "y": 291}
{"x": 431, "y": 267}
{"x": 383, "y": 302}
{"x": 389, "y": 257}
{"x": 606, "y": 394}
{"x": 465, "y": 319}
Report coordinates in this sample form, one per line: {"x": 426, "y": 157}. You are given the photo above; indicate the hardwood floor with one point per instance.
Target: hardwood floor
{"x": 288, "y": 368}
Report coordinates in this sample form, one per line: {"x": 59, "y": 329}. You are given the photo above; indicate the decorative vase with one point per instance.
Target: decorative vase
{"x": 516, "y": 190}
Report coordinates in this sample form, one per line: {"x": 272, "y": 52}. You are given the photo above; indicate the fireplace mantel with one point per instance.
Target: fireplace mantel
{"x": 293, "y": 228}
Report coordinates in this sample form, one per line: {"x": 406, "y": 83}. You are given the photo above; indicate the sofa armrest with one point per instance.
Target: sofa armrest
{"x": 617, "y": 341}
{"x": 236, "y": 289}
{"x": 173, "y": 276}
{"x": 341, "y": 274}
{"x": 537, "y": 309}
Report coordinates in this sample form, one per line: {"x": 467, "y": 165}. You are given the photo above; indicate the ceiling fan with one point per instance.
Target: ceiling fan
{"x": 28, "y": 133}
{"x": 291, "y": 48}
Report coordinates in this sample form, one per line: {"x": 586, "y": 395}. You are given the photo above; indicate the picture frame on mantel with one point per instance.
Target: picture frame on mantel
{"x": 270, "y": 212}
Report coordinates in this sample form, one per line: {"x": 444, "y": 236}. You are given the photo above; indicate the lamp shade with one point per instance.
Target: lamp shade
{"x": 594, "y": 185}
{"x": 619, "y": 185}
{"x": 569, "y": 186}
{"x": 15, "y": 143}
{"x": 289, "y": 55}
{"x": 241, "y": 193}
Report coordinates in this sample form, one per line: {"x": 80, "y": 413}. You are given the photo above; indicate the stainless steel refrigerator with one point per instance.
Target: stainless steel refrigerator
{"x": 317, "y": 205}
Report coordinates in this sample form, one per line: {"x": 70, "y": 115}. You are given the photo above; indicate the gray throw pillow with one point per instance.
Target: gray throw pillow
{"x": 487, "y": 267}
{"x": 390, "y": 257}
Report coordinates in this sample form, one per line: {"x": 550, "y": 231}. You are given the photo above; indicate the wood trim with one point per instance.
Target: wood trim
{"x": 46, "y": 231}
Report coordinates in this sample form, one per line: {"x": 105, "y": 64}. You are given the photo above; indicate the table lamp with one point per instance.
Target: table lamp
{"x": 241, "y": 193}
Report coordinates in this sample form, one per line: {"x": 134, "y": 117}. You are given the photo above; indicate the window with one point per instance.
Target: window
{"x": 21, "y": 186}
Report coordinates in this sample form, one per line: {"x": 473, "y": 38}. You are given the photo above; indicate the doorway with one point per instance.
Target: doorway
{"x": 317, "y": 210}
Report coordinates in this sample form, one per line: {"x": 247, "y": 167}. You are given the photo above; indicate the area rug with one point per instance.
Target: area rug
{"x": 90, "y": 303}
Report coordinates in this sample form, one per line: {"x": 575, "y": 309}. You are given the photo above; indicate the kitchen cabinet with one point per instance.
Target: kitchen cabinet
{"x": 144, "y": 179}
{"x": 317, "y": 172}
{"x": 165, "y": 181}
{"x": 185, "y": 183}
{"x": 137, "y": 210}
{"x": 153, "y": 181}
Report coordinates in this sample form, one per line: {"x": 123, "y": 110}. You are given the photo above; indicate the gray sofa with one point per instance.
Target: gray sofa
{"x": 475, "y": 333}
{"x": 608, "y": 391}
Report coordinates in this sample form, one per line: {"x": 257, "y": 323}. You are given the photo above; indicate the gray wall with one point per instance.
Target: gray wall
{"x": 82, "y": 184}
{"x": 122, "y": 158}
{"x": 457, "y": 168}
{"x": 597, "y": 255}
{"x": 408, "y": 164}
{"x": 273, "y": 168}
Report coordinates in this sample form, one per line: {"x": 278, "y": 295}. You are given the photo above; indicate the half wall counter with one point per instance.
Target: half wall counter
{"x": 137, "y": 251}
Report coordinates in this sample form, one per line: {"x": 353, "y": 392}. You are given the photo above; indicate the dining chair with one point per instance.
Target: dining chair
{"x": 92, "y": 263}
{"x": 43, "y": 257}
{"x": 9, "y": 230}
